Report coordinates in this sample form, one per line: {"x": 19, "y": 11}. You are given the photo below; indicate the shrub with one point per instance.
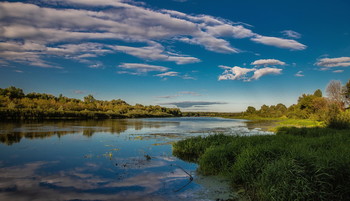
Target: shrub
{"x": 340, "y": 121}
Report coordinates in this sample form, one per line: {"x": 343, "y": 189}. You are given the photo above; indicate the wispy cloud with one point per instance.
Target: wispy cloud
{"x": 211, "y": 43}
{"x": 268, "y": 62}
{"x": 188, "y": 77}
{"x": 279, "y": 42}
{"x": 97, "y": 65}
{"x": 155, "y": 52}
{"x": 299, "y": 74}
{"x": 168, "y": 97}
{"x": 180, "y": 94}
{"x": 333, "y": 62}
{"x": 187, "y": 104}
{"x": 140, "y": 69}
{"x": 338, "y": 71}
{"x": 168, "y": 74}
{"x": 291, "y": 34}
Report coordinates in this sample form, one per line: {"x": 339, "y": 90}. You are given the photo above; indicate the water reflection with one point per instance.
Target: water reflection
{"x": 13, "y": 132}
{"x": 27, "y": 183}
{"x": 106, "y": 160}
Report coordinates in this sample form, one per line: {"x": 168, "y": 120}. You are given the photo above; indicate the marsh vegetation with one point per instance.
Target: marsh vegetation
{"x": 294, "y": 164}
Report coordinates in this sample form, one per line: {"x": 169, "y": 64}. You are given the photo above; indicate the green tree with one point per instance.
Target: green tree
{"x": 12, "y": 92}
{"x": 89, "y": 99}
{"x": 346, "y": 92}
{"x": 264, "y": 109}
{"x": 318, "y": 93}
{"x": 250, "y": 110}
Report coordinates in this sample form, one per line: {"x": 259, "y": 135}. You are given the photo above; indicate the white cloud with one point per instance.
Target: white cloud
{"x": 333, "y": 62}
{"x": 98, "y": 65}
{"x": 140, "y": 69}
{"x": 175, "y": 74}
{"x": 155, "y": 52}
{"x": 299, "y": 74}
{"x": 237, "y": 31}
{"x": 291, "y": 34}
{"x": 266, "y": 71}
{"x": 239, "y": 73}
{"x": 168, "y": 97}
{"x": 168, "y": 74}
{"x": 181, "y": 93}
{"x": 187, "y": 104}
{"x": 265, "y": 62}
{"x": 29, "y": 58}
{"x": 38, "y": 27}
{"x": 236, "y": 73}
{"x": 225, "y": 67}
{"x": 188, "y": 77}
{"x": 279, "y": 42}
{"x": 211, "y": 43}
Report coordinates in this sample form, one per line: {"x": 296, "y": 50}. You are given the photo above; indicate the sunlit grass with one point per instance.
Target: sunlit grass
{"x": 294, "y": 164}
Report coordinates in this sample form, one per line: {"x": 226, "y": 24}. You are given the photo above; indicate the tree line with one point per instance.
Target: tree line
{"x": 333, "y": 109}
{"x": 15, "y": 104}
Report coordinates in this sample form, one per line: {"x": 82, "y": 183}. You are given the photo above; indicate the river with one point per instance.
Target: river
{"x": 126, "y": 159}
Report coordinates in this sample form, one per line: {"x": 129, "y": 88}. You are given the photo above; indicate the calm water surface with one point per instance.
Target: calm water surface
{"x": 108, "y": 160}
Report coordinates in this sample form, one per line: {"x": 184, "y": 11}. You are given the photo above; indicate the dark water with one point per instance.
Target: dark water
{"x": 107, "y": 160}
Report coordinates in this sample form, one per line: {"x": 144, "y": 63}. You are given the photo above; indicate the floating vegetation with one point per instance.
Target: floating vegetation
{"x": 108, "y": 155}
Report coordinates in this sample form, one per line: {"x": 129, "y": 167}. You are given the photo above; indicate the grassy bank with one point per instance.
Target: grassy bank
{"x": 275, "y": 123}
{"x": 294, "y": 164}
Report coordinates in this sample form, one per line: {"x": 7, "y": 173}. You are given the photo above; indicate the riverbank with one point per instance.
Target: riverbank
{"x": 273, "y": 124}
{"x": 294, "y": 164}
{"x": 266, "y": 123}
{"x": 39, "y": 114}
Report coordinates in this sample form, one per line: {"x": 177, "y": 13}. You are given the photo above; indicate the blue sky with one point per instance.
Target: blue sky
{"x": 194, "y": 54}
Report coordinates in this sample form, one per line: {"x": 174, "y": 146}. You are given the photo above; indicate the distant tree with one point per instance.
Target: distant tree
{"x": 281, "y": 107}
{"x": 318, "y": 93}
{"x": 89, "y": 99}
{"x": 12, "y": 92}
{"x": 335, "y": 92}
{"x": 264, "y": 110}
{"x": 346, "y": 92}
{"x": 250, "y": 110}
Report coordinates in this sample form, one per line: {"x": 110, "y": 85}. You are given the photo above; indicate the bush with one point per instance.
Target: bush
{"x": 340, "y": 121}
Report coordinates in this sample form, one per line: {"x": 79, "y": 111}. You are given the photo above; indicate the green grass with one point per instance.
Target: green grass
{"x": 301, "y": 123}
{"x": 276, "y": 123}
{"x": 294, "y": 164}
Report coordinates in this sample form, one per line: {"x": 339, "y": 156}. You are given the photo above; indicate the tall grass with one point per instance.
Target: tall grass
{"x": 294, "y": 164}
